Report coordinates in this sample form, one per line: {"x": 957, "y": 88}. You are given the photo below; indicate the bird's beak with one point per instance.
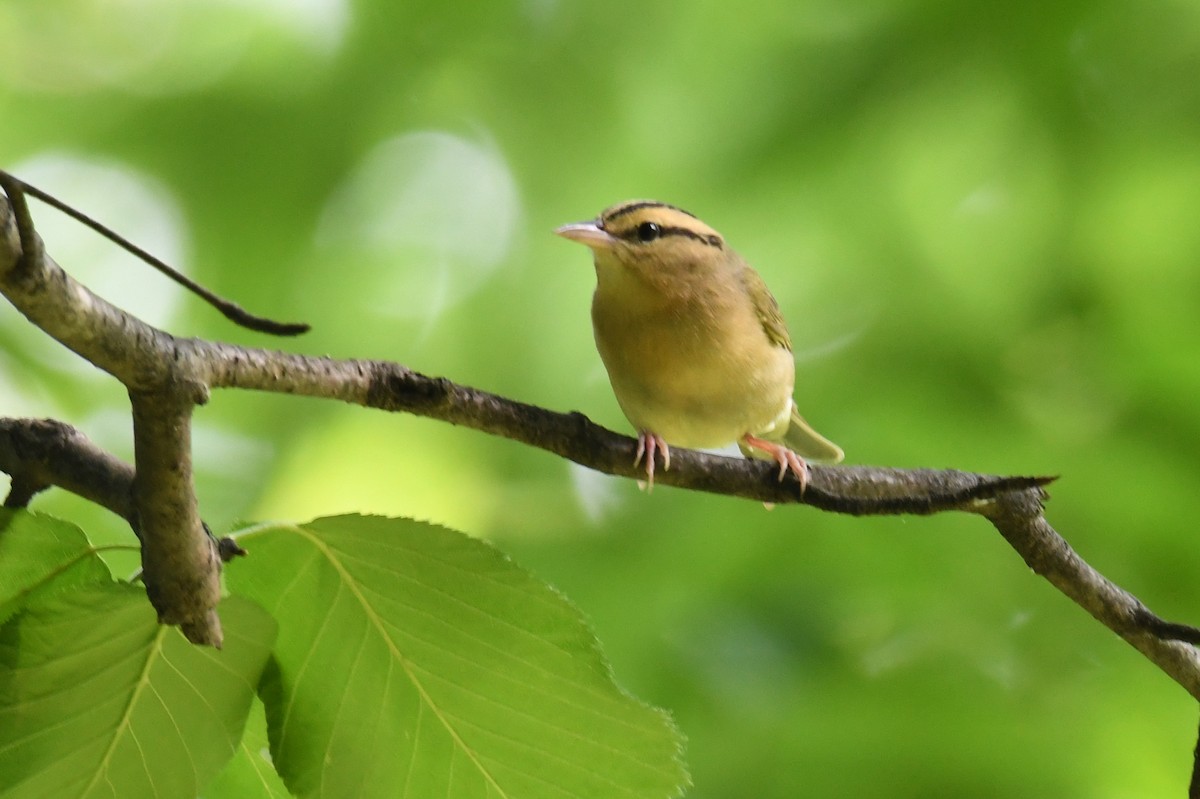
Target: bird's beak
{"x": 588, "y": 233}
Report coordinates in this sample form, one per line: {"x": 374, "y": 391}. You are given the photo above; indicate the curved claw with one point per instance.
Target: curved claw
{"x": 786, "y": 458}
{"x": 647, "y": 445}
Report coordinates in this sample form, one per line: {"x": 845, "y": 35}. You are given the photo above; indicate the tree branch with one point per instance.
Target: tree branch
{"x": 166, "y": 376}
{"x": 39, "y": 453}
{"x": 181, "y": 566}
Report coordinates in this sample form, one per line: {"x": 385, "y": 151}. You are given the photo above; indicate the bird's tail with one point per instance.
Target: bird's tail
{"x": 808, "y": 443}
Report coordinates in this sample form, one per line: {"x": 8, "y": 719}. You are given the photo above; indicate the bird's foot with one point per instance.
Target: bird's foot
{"x": 783, "y": 456}
{"x": 647, "y": 445}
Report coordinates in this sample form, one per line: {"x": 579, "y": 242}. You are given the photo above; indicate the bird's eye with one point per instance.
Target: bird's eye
{"x": 648, "y": 231}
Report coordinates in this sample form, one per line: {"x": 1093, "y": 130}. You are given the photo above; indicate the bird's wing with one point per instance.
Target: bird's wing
{"x": 766, "y": 308}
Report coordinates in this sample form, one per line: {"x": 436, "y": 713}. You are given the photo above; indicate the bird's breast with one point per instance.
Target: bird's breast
{"x": 699, "y": 374}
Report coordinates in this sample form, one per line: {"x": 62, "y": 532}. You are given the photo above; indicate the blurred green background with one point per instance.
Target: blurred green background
{"x": 982, "y": 222}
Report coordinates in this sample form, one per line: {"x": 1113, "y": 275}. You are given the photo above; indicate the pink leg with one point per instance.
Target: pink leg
{"x": 783, "y": 456}
{"x": 648, "y": 444}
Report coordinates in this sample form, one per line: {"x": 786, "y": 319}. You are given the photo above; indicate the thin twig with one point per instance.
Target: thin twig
{"x": 235, "y": 313}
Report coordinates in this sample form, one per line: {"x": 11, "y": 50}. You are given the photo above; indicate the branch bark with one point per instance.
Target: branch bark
{"x": 180, "y": 563}
{"x": 166, "y": 376}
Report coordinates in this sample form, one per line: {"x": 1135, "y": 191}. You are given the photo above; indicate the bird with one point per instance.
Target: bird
{"x": 696, "y": 348}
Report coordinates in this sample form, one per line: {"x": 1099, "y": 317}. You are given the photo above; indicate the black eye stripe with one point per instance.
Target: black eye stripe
{"x": 664, "y": 231}
{"x": 629, "y": 209}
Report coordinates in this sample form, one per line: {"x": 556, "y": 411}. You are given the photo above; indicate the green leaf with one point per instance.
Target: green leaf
{"x": 40, "y": 555}
{"x": 250, "y": 774}
{"x": 414, "y": 661}
{"x": 98, "y": 700}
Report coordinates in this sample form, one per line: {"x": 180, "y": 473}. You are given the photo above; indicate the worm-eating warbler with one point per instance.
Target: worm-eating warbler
{"x": 695, "y": 346}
